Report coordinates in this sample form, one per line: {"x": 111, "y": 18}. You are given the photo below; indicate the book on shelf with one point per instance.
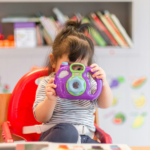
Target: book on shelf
{"x": 19, "y": 19}
{"x": 107, "y": 16}
{"x": 25, "y": 34}
{"x": 107, "y": 29}
{"x": 86, "y": 31}
{"x": 60, "y": 16}
{"x": 49, "y": 26}
{"x": 110, "y": 28}
{"x": 88, "y": 35}
{"x": 121, "y": 29}
{"x": 101, "y": 26}
{"x": 94, "y": 33}
{"x": 39, "y": 35}
{"x": 46, "y": 37}
{"x": 101, "y": 29}
{"x": 62, "y": 146}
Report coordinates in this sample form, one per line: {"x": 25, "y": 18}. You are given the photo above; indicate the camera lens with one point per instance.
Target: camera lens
{"x": 76, "y": 85}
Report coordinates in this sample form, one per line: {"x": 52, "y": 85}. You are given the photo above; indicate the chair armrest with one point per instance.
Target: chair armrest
{"x": 102, "y": 136}
{"x": 6, "y": 134}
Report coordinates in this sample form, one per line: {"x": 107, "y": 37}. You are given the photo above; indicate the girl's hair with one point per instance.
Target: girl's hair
{"x": 71, "y": 40}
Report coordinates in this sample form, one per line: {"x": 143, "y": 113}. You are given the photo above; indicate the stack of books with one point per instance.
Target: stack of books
{"x": 107, "y": 29}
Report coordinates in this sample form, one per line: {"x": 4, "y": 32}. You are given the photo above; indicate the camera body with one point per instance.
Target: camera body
{"x": 75, "y": 84}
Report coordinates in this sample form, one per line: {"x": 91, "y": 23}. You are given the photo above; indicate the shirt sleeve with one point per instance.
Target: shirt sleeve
{"x": 40, "y": 93}
{"x": 93, "y": 90}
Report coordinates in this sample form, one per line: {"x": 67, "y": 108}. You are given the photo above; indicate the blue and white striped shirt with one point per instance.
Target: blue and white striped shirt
{"x": 76, "y": 112}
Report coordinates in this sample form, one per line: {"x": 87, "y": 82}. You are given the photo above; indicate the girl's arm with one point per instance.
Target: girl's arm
{"x": 106, "y": 97}
{"x": 44, "y": 110}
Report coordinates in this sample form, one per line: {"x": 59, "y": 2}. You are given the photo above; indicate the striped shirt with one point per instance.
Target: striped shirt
{"x": 76, "y": 112}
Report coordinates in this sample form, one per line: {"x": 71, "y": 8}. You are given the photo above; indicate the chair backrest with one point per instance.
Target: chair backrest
{"x": 20, "y": 112}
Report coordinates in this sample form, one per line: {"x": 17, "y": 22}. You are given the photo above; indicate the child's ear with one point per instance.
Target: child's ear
{"x": 52, "y": 61}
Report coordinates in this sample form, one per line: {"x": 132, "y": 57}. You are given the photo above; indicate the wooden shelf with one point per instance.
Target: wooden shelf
{"x": 43, "y": 50}
{"x": 123, "y": 9}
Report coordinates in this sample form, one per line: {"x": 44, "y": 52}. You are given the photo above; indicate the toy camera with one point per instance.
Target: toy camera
{"x": 75, "y": 84}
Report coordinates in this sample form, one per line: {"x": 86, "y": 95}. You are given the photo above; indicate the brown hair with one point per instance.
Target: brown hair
{"x": 71, "y": 40}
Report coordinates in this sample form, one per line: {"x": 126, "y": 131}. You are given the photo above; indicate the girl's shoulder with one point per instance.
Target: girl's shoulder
{"x": 44, "y": 80}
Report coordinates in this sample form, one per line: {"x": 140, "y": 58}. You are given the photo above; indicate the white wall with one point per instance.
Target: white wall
{"x": 136, "y": 66}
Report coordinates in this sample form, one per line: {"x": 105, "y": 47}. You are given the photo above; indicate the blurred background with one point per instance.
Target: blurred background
{"x": 121, "y": 36}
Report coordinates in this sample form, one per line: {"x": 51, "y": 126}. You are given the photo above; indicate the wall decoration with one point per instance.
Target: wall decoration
{"x": 139, "y": 101}
{"x": 138, "y": 82}
{"x": 4, "y": 88}
{"x": 115, "y": 101}
{"x": 116, "y": 81}
{"x": 107, "y": 115}
{"x": 119, "y": 118}
{"x": 139, "y": 121}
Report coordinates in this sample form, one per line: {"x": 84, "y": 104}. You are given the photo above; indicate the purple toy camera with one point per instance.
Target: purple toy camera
{"x": 74, "y": 84}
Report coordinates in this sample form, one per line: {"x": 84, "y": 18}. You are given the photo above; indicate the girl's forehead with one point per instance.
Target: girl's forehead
{"x": 79, "y": 60}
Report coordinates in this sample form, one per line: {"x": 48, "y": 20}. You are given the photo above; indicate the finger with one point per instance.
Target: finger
{"x": 51, "y": 81}
{"x": 96, "y": 74}
{"x": 93, "y": 65}
{"x": 49, "y": 94}
{"x": 100, "y": 77}
{"x": 95, "y": 69}
{"x": 51, "y": 85}
{"x": 52, "y": 91}
{"x": 98, "y": 69}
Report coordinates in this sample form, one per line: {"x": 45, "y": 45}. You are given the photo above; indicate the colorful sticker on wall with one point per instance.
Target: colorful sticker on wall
{"x": 117, "y": 81}
{"x": 116, "y": 100}
{"x": 119, "y": 118}
{"x": 140, "y": 101}
{"x": 138, "y": 82}
{"x": 109, "y": 114}
{"x": 139, "y": 121}
{"x": 4, "y": 88}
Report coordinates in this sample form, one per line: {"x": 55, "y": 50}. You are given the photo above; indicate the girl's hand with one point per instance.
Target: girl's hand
{"x": 50, "y": 91}
{"x": 99, "y": 73}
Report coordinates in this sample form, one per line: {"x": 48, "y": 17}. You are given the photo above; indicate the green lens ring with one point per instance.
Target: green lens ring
{"x": 78, "y": 71}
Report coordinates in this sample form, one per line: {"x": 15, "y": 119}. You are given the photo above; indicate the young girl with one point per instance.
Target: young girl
{"x": 70, "y": 121}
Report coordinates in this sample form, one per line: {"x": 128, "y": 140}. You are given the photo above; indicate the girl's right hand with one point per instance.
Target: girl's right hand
{"x": 50, "y": 91}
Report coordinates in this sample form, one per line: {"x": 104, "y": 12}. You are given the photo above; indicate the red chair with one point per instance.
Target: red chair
{"x": 20, "y": 112}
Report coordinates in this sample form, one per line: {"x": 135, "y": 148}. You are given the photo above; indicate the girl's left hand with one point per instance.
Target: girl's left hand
{"x": 99, "y": 73}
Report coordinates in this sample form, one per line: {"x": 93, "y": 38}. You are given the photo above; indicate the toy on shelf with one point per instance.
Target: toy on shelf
{"x": 25, "y": 34}
{"x": 9, "y": 42}
{"x": 73, "y": 82}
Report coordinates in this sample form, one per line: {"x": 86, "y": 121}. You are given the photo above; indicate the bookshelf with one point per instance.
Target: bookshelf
{"x": 123, "y": 9}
